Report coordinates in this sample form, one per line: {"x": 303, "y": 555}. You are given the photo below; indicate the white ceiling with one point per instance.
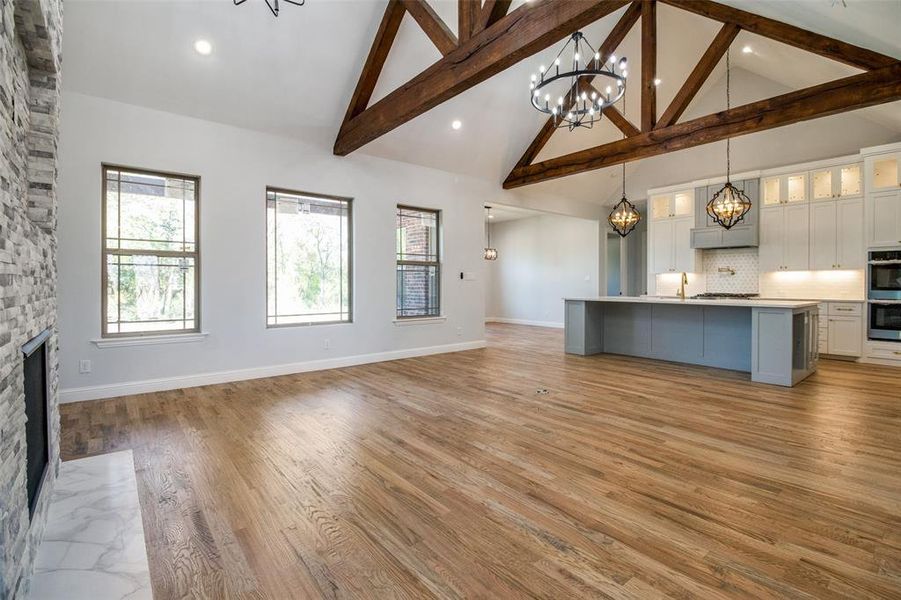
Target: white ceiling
{"x": 294, "y": 75}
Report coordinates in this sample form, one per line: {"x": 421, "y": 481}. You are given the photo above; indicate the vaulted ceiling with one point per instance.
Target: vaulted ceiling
{"x": 295, "y": 75}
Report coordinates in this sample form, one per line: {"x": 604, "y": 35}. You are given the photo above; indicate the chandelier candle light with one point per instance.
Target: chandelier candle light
{"x": 490, "y": 253}
{"x": 729, "y": 205}
{"x": 581, "y": 104}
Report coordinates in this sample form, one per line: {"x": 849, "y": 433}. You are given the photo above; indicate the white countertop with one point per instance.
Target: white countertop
{"x": 701, "y": 302}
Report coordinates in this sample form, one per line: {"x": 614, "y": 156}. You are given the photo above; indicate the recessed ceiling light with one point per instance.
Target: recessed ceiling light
{"x": 457, "y": 124}
{"x": 490, "y": 216}
{"x": 203, "y": 47}
{"x": 747, "y": 50}
{"x": 657, "y": 82}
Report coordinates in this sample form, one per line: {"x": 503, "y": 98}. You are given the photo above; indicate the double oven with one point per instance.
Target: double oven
{"x": 884, "y": 295}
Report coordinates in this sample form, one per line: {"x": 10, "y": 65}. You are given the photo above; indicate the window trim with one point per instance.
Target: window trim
{"x": 350, "y": 258}
{"x": 425, "y": 263}
{"x": 104, "y": 252}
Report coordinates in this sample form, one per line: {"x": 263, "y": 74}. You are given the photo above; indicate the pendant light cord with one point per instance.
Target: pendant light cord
{"x": 624, "y": 137}
{"x": 728, "y": 106}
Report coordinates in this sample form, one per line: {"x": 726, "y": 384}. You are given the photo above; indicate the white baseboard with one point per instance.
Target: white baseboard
{"x": 113, "y": 390}
{"x": 552, "y": 324}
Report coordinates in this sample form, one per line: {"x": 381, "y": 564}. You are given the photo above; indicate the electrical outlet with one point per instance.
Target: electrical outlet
{"x": 326, "y": 344}
{"x": 84, "y": 366}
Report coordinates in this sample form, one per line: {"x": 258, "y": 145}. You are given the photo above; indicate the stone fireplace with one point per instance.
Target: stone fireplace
{"x": 30, "y": 33}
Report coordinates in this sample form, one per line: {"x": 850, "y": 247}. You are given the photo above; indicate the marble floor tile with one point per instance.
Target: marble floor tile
{"x": 93, "y": 545}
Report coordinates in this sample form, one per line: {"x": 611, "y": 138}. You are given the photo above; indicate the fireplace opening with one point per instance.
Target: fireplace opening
{"x": 37, "y": 438}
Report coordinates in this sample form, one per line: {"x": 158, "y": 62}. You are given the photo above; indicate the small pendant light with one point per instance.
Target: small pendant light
{"x": 729, "y": 205}
{"x": 624, "y": 216}
{"x": 490, "y": 253}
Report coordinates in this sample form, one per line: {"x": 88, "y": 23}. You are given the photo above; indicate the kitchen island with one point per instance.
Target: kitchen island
{"x": 774, "y": 340}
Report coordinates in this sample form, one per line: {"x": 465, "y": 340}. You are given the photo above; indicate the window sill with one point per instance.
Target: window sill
{"x": 419, "y": 320}
{"x": 150, "y": 340}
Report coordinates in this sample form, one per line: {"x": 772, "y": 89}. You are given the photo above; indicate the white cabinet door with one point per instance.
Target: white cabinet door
{"x": 684, "y": 255}
{"x": 772, "y": 238}
{"x": 662, "y": 241}
{"x": 849, "y": 248}
{"x": 885, "y": 172}
{"x": 845, "y": 336}
{"x": 885, "y": 218}
{"x": 823, "y": 231}
{"x": 797, "y": 237}
{"x": 849, "y": 181}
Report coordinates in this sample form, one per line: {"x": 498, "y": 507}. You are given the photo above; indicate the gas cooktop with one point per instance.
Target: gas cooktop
{"x": 714, "y": 295}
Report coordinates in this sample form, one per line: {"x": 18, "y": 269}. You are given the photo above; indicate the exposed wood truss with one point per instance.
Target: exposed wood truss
{"x": 491, "y": 40}
{"x": 529, "y": 29}
{"x": 880, "y": 83}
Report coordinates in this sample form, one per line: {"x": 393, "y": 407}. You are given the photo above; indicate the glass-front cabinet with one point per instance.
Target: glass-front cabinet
{"x": 672, "y": 205}
{"x": 785, "y": 189}
{"x": 885, "y": 172}
{"x": 836, "y": 182}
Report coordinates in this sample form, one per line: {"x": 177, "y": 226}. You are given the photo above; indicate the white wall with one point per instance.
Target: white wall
{"x": 235, "y": 166}
{"x": 540, "y": 261}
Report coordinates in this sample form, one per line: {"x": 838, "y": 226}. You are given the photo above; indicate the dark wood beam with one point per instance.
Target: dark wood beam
{"x": 525, "y": 31}
{"x": 849, "y": 54}
{"x": 648, "y": 64}
{"x": 378, "y": 53}
{"x": 849, "y": 93}
{"x": 468, "y": 12}
{"x": 614, "y": 39}
{"x": 492, "y": 12}
{"x": 621, "y": 122}
{"x": 699, "y": 75}
{"x": 433, "y": 25}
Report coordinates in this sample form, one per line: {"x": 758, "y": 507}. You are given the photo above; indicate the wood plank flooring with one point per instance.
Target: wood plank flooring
{"x": 449, "y": 477}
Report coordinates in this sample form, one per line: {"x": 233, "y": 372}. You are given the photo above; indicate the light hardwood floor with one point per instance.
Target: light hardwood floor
{"x": 449, "y": 476}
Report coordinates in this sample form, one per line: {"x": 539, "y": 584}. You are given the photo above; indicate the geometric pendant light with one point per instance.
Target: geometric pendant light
{"x": 729, "y": 205}
{"x": 490, "y": 253}
{"x": 624, "y": 216}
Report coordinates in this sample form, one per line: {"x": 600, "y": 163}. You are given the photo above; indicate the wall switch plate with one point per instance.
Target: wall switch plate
{"x": 84, "y": 366}
{"x": 467, "y": 276}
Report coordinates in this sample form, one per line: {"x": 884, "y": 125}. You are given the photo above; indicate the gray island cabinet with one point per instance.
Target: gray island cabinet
{"x": 774, "y": 340}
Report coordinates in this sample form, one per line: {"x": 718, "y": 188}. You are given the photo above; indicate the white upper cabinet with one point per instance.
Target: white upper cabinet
{"x": 785, "y": 238}
{"x": 884, "y": 218}
{"x": 836, "y": 235}
{"x": 885, "y": 172}
{"x": 829, "y": 183}
{"x": 672, "y": 205}
{"x": 671, "y": 246}
{"x": 785, "y": 189}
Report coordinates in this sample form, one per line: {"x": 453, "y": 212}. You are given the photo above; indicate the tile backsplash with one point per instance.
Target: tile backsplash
{"x": 742, "y": 275}
{"x": 747, "y": 279}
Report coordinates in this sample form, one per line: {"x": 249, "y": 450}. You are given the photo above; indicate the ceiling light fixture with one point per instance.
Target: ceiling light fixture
{"x": 203, "y": 47}
{"x": 273, "y": 4}
{"x": 747, "y": 50}
{"x": 457, "y": 124}
{"x": 578, "y": 103}
{"x": 657, "y": 82}
{"x": 624, "y": 216}
{"x": 490, "y": 253}
{"x": 729, "y": 205}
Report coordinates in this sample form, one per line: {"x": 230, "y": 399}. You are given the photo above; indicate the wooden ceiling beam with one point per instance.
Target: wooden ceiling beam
{"x": 699, "y": 75}
{"x": 648, "y": 64}
{"x": 378, "y": 53}
{"x": 433, "y": 25}
{"x": 862, "y": 58}
{"x": 875, "y": 87}
{"x": 492, "y": 12}
{"x": 525, "y": 31}
{"x": 614, "y": 39}
{"x": 468, "y": 12}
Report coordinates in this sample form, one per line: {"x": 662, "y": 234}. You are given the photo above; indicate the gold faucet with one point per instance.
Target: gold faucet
{"x": 682, "y": 285}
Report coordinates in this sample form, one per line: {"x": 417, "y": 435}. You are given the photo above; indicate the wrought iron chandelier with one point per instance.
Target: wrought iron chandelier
{"x": 273, "y": 4}
{"x": 490, "y": 253}
{"x": 624, "y": 216}
{"x": 729, "y": 205}
{"x": 579, "y": 103}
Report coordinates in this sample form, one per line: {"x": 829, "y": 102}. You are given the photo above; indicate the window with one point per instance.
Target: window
{"x": 418, "y": 263}
{"x": 308, "y": 259}
{"x": 151, "y": 257}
